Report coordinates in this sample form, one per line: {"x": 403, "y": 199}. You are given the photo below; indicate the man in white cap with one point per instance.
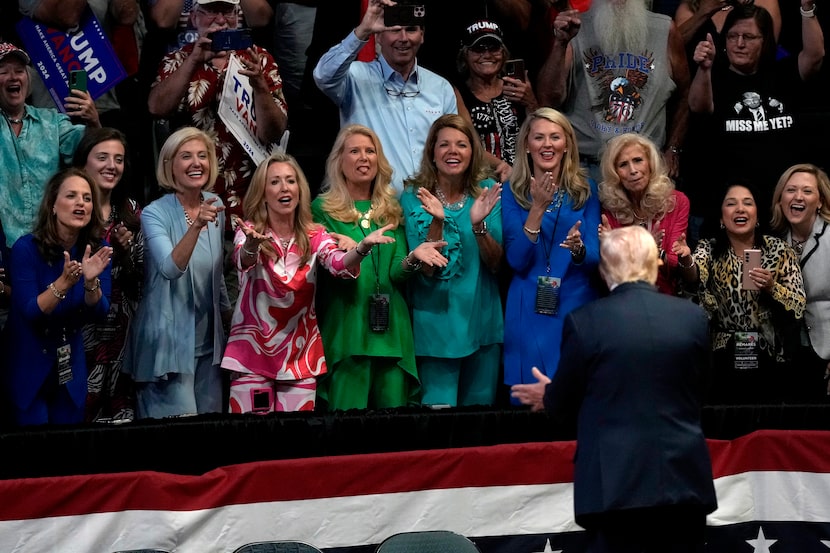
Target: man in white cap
{"x": 189, "y": 85}
{"x": 34, "y": 142}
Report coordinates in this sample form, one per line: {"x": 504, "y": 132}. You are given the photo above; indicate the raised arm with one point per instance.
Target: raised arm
{"x": 701, "y": 99}
{"x": 812, "y": 38}
{"x": 552, "y": 81}
{"x": 678, "y": 109}
{"x": 165, "y": 13}
{"x": 62, "y": 14}
{"x": 688, "y": 21}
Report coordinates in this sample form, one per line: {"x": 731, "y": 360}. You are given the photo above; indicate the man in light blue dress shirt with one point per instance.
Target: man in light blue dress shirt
{"x": 392, "y": 95}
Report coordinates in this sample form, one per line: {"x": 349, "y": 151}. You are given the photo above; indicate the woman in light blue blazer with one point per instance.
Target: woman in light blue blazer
{"x": 177, "y": 340}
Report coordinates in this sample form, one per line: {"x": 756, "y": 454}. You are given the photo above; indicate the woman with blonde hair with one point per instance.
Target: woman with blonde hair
{"x": 175, "y": 343}
{"x": 550, "y": 214}
{"x": 801, "y": 216}
{"x": 457, "y": 315}
{"x": 636, "y": 190}
{"x": 372, "y": 359}
{"x": 274, "y": 350}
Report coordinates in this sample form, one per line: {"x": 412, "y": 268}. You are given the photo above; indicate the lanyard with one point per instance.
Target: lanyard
{"x": 549, "y": 248}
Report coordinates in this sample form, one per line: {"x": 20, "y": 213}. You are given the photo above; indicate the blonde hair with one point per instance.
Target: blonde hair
{"x": 573, "y": 178}
{"x": 164, "y": 170}
{"x": 628, "y": 254}
{"x": 779, "y": 223}
{"x": 478, "y": 170}
{"x": 658, "y": 198}
{"x": 256, "y": 210}
{"x": 337, "y": 201}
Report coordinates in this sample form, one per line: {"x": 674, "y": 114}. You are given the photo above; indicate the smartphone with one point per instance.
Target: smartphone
{"x": 77, "y": 80}
{"x": 515, "y": 69}
{"x": 231, "y": 39}
{"x": 752, "y": 260}
{"x": 405, "y": 14}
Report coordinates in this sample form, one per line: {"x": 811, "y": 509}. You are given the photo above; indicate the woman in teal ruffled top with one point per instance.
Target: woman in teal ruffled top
{"x": 456, "y": 310}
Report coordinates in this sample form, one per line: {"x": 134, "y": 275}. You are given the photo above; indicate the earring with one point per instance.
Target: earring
{"x": 722, "y": 226}
{"x": 54, "y": 212}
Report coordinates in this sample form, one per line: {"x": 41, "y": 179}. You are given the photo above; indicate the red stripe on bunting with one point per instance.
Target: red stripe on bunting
{"x": 298, "y": 479}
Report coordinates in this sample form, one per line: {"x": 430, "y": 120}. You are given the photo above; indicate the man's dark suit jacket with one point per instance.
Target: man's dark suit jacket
{"x": 631, "y": 371}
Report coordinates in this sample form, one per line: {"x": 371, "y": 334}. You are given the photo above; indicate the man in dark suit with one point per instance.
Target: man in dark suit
{"x": 631, "y": 374}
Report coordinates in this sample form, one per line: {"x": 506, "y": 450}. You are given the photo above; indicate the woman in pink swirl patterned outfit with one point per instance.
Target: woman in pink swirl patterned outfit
{"x": 274, "y": 350}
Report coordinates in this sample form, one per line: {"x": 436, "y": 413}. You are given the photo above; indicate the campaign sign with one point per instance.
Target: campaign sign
{"x": 55, "y": 53}
{"x": 237, "y": 111}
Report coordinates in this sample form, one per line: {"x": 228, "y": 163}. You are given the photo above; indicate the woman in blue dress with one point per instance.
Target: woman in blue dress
{"x": 457, "y": 316}
{"x": 60, "y": 274}
{"x": 550, "y": 215}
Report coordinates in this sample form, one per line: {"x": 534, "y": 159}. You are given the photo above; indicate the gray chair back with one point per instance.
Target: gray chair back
{"x": 439, "y": 541}
{"x": 278, "y": 547}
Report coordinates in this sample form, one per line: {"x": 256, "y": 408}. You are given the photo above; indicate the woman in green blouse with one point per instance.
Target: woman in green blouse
{"x": 367, "y": 333}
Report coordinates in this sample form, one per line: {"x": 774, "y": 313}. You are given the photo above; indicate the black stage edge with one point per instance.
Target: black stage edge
{"x": 195, "y": 445}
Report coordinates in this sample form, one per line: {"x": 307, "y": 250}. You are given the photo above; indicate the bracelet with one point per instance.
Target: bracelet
{"x": 410, "y": 266}
{"x": 532, "y": 232}
{"x": 808, "y": 13}
{"x": 250, "y": 252}
{"x": 689, "y": 266}
{"x": 2, "y": 287}
{"x": 360, "y": 253}
{"x": 481, "y": 230}
{"x": 95, "y": 286}
{"x": 60, "y": 294}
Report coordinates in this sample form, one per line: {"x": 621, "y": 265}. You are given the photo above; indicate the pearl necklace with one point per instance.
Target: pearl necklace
{"x": 454, "y": 205}
{"x": 187, "y": 217}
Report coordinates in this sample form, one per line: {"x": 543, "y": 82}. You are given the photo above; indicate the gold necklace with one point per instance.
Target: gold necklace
{"x": 798, "y": 245}
{"x": 364, "y": 219}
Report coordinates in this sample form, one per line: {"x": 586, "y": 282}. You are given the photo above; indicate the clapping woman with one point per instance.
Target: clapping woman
{"x": 636, "y": 190}
{"x": 176, "y": 340}
{"x": 102, "y": 154}
{"x": 457, "y": 317}
{"x": 801, "y": 214}
{"x": 371, "y": 360}
{"x": 275, "y": 352}
{"x": 551, "y": 212}
{"x": 61, "y": 279}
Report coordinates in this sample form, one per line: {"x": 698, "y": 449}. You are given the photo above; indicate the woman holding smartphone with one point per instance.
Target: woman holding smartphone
{"x": 498, "y": 100}
{"x": 750, "y": 307}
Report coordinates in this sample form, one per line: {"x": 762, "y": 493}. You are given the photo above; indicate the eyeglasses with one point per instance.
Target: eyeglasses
{"x": 404, "y": 93}
{"x": 214, "y": 12}
{"x": 481, "y": 47}
{"x": 735, "y": 37}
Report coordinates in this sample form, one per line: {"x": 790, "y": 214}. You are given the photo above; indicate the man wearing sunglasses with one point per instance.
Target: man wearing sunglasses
{"x": 392, "y": 95}
{"x": 189, "y": 86}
